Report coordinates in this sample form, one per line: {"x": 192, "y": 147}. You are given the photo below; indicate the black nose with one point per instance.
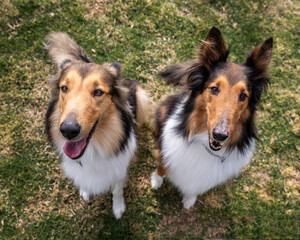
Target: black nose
{"x": 219, "y": 135}
{"x": 70, "y": 129}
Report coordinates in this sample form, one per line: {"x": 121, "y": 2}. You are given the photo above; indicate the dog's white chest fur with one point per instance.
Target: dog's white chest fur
{"x": 192, "y": 167}
{"x": 98, "y": 172}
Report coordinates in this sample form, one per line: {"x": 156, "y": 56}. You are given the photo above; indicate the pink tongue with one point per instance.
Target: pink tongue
{"x": 73, "y": 149}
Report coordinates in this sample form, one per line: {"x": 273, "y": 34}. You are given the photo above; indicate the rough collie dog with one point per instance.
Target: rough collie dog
{"x": 91, "y": 120}
{"x": 207, "y": 133}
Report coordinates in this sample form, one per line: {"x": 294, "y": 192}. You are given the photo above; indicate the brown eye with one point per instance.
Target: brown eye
{"x": 64, "y": 89}
{"x": 242, "y": 97}
{"x": 98, "y": 93}
{"x": 214, "y": 90}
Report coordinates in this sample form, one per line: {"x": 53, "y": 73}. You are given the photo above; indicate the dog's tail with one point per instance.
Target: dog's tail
{"x": 62, "y": 49}
{"x": 178, "y": 73}
{"x": 145, "y": 107}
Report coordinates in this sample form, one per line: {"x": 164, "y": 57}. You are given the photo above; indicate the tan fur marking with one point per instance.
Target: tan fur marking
{"x": 161, "y": 170}
{"x": 55, "y": 133}
{"x": 163, "y": 112}
{"x": 96, "y": 79}
{"x": 145, "y": 107}
{"x": 157, "y": 121}
{"x": 238, "y": 114}
{"x": 109, "y": 131}
{"x": 198, "y": 119}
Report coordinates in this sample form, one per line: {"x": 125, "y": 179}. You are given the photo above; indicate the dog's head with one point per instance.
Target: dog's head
{"x": 229, "y": 92}
{"x": 86, "y": 93}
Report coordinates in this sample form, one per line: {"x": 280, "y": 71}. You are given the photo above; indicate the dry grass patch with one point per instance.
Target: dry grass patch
{"x": 189, "y": 221}
{"x": 182, "y": 222}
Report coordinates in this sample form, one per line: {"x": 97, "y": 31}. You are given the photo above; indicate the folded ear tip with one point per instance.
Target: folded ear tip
{"x": 117, "y": 66}
{"x": 65, "y": 63}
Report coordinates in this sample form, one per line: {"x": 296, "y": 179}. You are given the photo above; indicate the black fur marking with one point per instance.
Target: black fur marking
{"x": 132, "y": 99}
{"x": 126, "y": 116}
{"x": 84, "y": 71}
{"x": 64, "y": 63}
{"x": 127, "y": 128}
{"x": 48, "y": 122}
{"x": 80, "y": 53}
{"x": 257, "y": 83}
{"x": 185, "y": 114}
{"x": 170, "y": 104}
{"x": 197, "y": 79}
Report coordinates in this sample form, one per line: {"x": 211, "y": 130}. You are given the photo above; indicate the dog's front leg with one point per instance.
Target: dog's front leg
{"x": 157, "y": 177}
{"x": 118, "y": 199}
{"x": 156, "y": 180}
{"x": 85, "y": 195}
{"x": 188, "y": 201}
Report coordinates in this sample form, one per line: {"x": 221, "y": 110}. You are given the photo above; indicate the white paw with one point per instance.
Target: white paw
{"x": 119, "y": 209}
{"x": 85, "y": 196}
{"x": 156, "y": 181}
{"x": 189, "y": 201}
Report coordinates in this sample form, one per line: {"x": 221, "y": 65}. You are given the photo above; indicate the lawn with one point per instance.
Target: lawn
{"x": 37, "y": 202}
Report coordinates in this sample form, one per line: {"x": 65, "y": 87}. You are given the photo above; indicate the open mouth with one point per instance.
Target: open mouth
{"x": 75, "y": 149}
{"x": 215, "y": 145}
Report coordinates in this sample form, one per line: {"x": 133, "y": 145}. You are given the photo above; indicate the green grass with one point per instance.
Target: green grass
{"x": 37, "y": 202}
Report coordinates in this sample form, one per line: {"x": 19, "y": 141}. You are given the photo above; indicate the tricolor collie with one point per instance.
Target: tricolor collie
{"x": 207, "y": 133}
{"x": 91, "y": 120}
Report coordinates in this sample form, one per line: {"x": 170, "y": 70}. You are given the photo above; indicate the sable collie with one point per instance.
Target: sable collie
{"x": 91, "y": 120}
{"x": 207, "y": 133}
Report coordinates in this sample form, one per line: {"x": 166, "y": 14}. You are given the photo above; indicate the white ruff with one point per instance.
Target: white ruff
{"x": 98, "y": 172}
{"x": 191, "y": 167}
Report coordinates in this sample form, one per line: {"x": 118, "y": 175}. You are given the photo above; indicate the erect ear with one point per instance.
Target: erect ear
{"x": 213, "y": 50}
{"x": 258, "y": 62}
{"x": 260, "y": 57}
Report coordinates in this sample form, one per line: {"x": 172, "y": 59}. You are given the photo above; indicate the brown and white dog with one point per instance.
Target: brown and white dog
{"x": 207, "y": 133}
{"x": 91, "y": 120}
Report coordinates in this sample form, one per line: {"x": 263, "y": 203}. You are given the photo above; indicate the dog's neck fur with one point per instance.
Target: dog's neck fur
{"x": 110, "y": 131}
{"x": 197, "y": 121}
